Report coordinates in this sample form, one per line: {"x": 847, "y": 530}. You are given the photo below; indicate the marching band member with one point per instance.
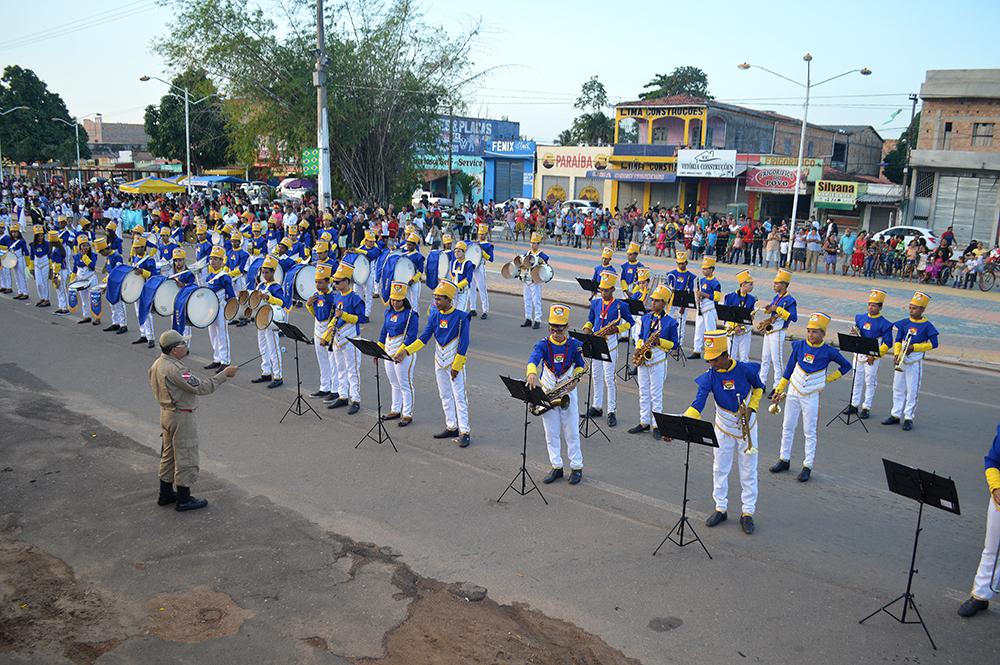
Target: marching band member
{"x": 297, "y": 250}
{"x": 221, "y": 281}
{"x": 237, "y": 259}
{"x": 988, "y": 575}
{"x": 607, "y": 317}
{"x": 203, "y": 249}
{"x": 607, "y": 255}
{"x": 399, "y": 329}
{"x": 554, "y": 361}
{"x": 322, "y": 305}
{"x": 462, "y": 274}
{"x": 709, "y": 292}
{"x": 166, "y": 249}
{"x": 450, "y": 329}
{"x": 479, "y": 277}
{"x": 14, "y": 243}
{"x": 651, "y": 372}
{"x": 804, "y": 379}
{"x": 630, "y": 269}
{"x": 321, "y": 256}
{"x": 113, "y": 259}
{"x": 919, "y": 336}
{"x": 532, "y": 293}
{"x": 681, "y": 279}
{"x": 735, "y": 386}
{"x": 84, "y": 267}
{"x": 60, "y": 271}
{"x": 258, "y": 241}
{"x": 412, "y": 252}
{"x": 111, "y": 236}
{"x": 371, "y": 249}
{"x": 39, "y": 261}
{"x": 145, "y": 265}
{"x": 348, "y": 315}
{"x": 640, "y": 288}
{"x": 267, "y": 340}
{"x": 783, "y": 311}
{"x": 872, "y": 325}
{"x": 180, "y": 274}
{"x": 741, "y": 297}
{"x": 6, "y": 273}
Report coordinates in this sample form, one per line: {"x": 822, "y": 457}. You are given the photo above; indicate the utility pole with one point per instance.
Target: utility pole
{"x": 451, "y": 128}
{"x": 908, "y": 218}
{"x": 322, "y": 125}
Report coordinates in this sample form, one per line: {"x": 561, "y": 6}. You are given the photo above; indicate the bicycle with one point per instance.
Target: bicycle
{"x": 988, "y": 277}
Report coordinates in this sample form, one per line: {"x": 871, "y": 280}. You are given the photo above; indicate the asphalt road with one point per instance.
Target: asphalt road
{"x": 825, "y": 554}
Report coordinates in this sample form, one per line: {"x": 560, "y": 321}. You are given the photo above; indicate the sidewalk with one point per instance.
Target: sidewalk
{"x": 968, "y": 320}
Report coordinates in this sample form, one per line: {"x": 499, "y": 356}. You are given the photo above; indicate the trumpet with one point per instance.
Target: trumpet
{"x": 775, "y": 407}
{"x": 645, "y": 350}
{"x": 559, "y": 396}
{"x": 903, "y": 351}
{"x": 743, "y": 415}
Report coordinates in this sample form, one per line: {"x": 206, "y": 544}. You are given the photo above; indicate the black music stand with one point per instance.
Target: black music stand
{"x": 689, "y": 430}
{"x": 299, "y": 406}
{"x": 595, "y": 348}
{"x": 588, "y": 285}
{"x": 369, "y": 348}
{"x": 682, "y": 299}
{"x": 923, "y": 487}
{"x": 519, "y": 390}
{"x": 626, "y": 372}
{"x": 734, "y": 314}
{"x": 867, "y": 346}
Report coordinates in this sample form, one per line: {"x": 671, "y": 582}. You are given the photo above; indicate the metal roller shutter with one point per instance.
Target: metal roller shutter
{"x": 556, "y": 186}
{"x": 720, "y": 195}
{"x": 663, "y": 193}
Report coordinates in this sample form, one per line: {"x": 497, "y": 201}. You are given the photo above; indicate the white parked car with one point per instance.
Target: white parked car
{"x": 439, "y": 201}
{"x": 908, "y": 233}
{"x": 581, "y": 204}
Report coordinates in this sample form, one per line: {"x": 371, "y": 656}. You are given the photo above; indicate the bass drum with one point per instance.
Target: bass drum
{"x": 131, "y": 288}
{"x": 474, "y": 253}
{"x": 163, "y": 299}
{"x": 9, "y": 260}
{"x": 115, "y": 279}
{"x": 362, "y": 267}
{"x": 201, "y": 307}
{"x": 444, "y": 266}
{"x": 305, "y": 282}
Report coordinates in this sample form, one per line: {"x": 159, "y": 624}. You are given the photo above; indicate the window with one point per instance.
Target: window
{"x": 840, "y": 152}
{"x": 946, "y": 139}
{"x": 787, "y": 146}
{"x": 809, "y": 149}
{"x": 982, "y": 134}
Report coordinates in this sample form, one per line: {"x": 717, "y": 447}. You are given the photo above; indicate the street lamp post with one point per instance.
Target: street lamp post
{"x": 3, "y": 113}
{"x": 808, "y": 85}
{"x": 76, "y": 132}
{"x": 187, "y": 120}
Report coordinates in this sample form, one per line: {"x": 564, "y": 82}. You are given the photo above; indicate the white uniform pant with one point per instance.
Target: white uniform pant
{"x": 62, "y": 296}
{"x": 324, "y": 358}
{"x": 20, "y": 277}
{"x": 347, "y": 359}
{"x": 681, "y": 319}
{"x": 479, "y": 288}
{"x": 987, "y": 577}
{"x": 146, "y": 329}
{"x": 118, "y": 317}
{"x": 218, "y": 336}
{"x": 808, "y": 407}
{"x": 42, "y": 279}
{"x": 906, "y": 389}
{"x": 651, "y": 380}
{"x": 413, "y": 295}
{"x": 532, "y": 301}
{"x": 454, "y": 401}
{"x": 730, "y": 447}
{"x": 270, "y": 359}
{"x": 365, "y": 291}
{"x": 603, "y": 377}
{"x": 5, "y": 278}
{"x": 770, "y": 356}
{"x": 703, "y": 323}
{"x": 865, "y": 385}
{"x": 564, "y": 425}
{"x": 401, "y": 379}
{"x": 739, "y": 349}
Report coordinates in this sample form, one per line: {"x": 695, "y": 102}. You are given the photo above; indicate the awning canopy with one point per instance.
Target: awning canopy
{"x": 151, "y": 185}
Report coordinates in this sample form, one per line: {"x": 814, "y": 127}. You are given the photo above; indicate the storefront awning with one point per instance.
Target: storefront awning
{"x": 879, "y": 199}
{"x": 632, "y": 176}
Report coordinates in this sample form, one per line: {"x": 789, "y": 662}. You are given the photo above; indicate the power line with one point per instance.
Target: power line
{"x": 85, "y": 23}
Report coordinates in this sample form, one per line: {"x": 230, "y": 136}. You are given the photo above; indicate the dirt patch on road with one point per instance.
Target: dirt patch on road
{"x": 444, "y": 628}
{"x": 196, "y": 615}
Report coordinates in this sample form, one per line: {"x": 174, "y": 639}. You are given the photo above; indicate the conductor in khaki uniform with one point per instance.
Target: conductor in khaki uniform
{"x": 177, "y": 390}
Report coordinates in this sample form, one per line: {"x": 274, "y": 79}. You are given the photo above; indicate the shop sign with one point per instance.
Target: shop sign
{"x": 706, "y": 163}
{"x": 836, "y": 194}
{"x": 662, "y": 112}
{"x": 570, "y": 158}
{"x": 510, "y": 148}
{"x": 778, "y": 160}
{"x": 774, "y": 180}
{"x": 633, "y": 176}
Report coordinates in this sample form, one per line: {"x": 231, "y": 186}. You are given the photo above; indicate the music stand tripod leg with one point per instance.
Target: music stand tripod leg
{"x": 296, "y": 406}
{"x": 383, "y": 433}
{"x": 588, "y": 420}
{"x": 523, "y": 472}
{"x": 683, "y": 522}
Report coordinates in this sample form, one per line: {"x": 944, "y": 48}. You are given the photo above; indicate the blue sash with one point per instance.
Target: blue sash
{"x": 146, "y": 297}
{"x": 115, "y": 279}
{"x": 180, "y": 307}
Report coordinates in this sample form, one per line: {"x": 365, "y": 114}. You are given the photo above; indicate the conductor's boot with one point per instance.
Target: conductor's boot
{"x": 447, "y": 434}
{"x": 167, "y": 494}
{"x": 554, "y": 475}
{"x": 187, "y": 502}
{"x": 781, "y": 465}
{"x": 526, "y": 324}
{"x": 891, "y": 420}
{"x": 717, "y": 518}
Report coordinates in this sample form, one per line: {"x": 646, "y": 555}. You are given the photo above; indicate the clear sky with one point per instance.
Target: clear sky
{"x": 545, "y": 50}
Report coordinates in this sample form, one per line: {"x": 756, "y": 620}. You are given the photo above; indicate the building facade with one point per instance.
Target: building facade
{"x": 561, "y": 173}
{"x": 509, "y": 169}
{"x": 110, "y": 142}
{"x": 955, "y": 168}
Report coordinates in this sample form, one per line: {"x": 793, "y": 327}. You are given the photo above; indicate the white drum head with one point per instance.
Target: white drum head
{"x": 163, "y": 299}
{"x": 305, "y": 282}
{"x": 79, "y": 284}
{"x": 132, "y": 287}
{"x": 405, "y": 270}
{"x": 542, "y": 274}
{"x": 202, "y": 307}
{"x": 474, "y": 253}
{"x": 279, "y": 274}
{"x": 444, "y": 266}
{"x": 9, "y": 260}
{"x": 362, "y": 269}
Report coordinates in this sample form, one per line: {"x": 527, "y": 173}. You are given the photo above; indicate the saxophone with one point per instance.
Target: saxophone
{"x": 559, "y": 396}
{"x": 645, "y": 350}
{"x": 608, "y": 329}
{"x": 767, "y": 325}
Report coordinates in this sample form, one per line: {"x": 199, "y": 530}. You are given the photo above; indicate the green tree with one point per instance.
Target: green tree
{"x": 686, "y": 80}
{"x": 593, "y": 126}
{"x": 895, "y": 159}
{"x": 386, "y": 89}
{"x": 31, "y": 135}
{"x": 209, "y": 136}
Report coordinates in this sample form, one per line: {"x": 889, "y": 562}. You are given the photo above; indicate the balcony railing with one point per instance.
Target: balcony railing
{"x": 644, "y": 150}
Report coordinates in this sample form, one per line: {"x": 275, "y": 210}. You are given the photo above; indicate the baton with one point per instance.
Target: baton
{"x": 246, "y": 362}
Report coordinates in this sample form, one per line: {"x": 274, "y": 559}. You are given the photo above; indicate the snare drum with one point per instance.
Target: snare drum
{"x": 232, "y": 309}
{"x": 165, "y": 297}
{"x": 243, "y": 297}
{"x": 131, "y": 288}
{"x": 474, "y": 254}
{"x": 9, "y": 260}
{"x": 362, "y": 267}
{"x": 79, "y": 285}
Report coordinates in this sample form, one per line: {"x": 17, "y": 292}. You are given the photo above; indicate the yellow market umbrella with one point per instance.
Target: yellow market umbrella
{"x": 151, "y": 185}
